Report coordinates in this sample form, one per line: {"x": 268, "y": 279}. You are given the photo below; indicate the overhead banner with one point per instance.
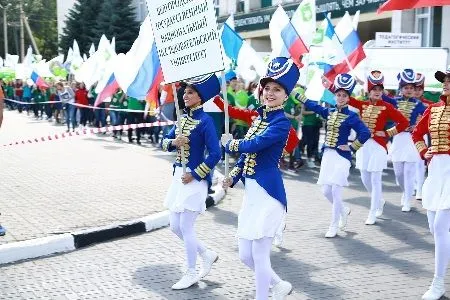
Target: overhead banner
{"x": 186, "y": 38}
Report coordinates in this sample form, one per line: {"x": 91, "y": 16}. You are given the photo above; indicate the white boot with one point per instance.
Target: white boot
{"x": 406, "y": 205}
{"x": 371, "y": 219}
{"x": 380, "y": 210}
{"x": 332, "y": 231}
{"x": 189, "y": 278}
{"x": 208, "y": 257}
{"x": 436, "y": 290}
{"x": 281, "y": 290}
{"x": 344, "y": 217}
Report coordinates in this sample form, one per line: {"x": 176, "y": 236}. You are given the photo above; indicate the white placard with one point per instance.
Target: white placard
{"x": 186, "y": 37}
{"x": 389, "y": 39}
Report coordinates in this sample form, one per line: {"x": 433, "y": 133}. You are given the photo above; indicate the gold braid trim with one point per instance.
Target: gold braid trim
{"x": 356, "y": 144}
{"x": 202, "y": 170}
{"x": 166, "y": 144}
{"x": 234, "y": 145}
{"x": 392, "y": 131}
{"x": 420, "y": 146}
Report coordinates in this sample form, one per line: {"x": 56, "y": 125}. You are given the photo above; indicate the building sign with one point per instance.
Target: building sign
{"x": 260, "y": 19}
{"x": 186, "y": 36}
{"x": 402, "y": 40}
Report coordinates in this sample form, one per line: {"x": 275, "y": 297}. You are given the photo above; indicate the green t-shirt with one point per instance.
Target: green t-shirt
{"x": 252, "y": 103}
{"x": 291, "y": 107}
{"x": 115, "y": 101}
{"x": 311, "y": 120}
{"x": 432, "y": 96}
{"x": 135, "y": 104}
{"x": 9, "y": 92}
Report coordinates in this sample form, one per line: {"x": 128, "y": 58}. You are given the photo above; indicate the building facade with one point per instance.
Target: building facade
{"x": 252, "y": 18}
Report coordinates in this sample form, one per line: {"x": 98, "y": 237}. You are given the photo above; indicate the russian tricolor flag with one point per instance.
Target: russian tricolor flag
{"x": 148, "y": 78}
{"x": 109, "y": 90}
{"x": 348, "y": 46}
{"x": 353, "y": 48}
{"x": 294, "y": 44}
{"x": 38, "y": 80}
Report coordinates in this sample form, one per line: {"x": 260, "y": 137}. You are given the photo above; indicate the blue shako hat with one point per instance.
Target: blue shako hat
{"x": 407, "y": 76}
{"x": 207, "y": 86}
{"x": 230, "y": 75}
{"x": 282, "y": 71}
{"x": 344, "y": 82}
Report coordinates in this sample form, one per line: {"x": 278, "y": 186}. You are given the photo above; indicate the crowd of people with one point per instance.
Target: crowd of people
{"x": 274, "y": 126}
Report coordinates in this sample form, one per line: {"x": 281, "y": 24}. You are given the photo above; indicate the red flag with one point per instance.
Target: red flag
{"x": 403, "y": 4}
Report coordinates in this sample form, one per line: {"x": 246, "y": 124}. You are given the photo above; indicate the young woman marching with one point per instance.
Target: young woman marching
{"x": 419, "y": 88}
{"x": 187, "y": 193}
{"x": 264, "y": 205}
{"x": 371, "y": 159}
{"x": 402, "y": 150}
{"x": 337, "y": 156}
{"x": 436, "y": 189}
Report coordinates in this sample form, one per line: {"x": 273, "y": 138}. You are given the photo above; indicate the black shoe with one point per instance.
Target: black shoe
{"x": 211, "y": 191}
{"x": 138, "y": 142}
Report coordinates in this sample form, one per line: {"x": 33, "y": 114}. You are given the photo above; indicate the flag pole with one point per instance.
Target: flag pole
{"x": 177, "y": 108}
{"x": 227, "y": 118}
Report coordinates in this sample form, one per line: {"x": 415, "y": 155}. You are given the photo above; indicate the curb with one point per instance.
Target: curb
{"x": 45, "y": 246}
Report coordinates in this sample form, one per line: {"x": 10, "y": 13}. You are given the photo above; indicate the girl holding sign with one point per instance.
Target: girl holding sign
{"x": 264, "y": 206}
{"x": 336, "y": 161}
{"x": 188, "y": 191}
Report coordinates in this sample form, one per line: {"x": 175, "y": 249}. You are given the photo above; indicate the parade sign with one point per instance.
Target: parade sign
{"x": 390, "y": 39}
{"x": 186, "y": 37}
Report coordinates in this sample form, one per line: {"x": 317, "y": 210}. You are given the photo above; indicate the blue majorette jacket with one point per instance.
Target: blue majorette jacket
{"x": 198, "y": 127}
{"x": 412, "y": 108}
{"x": 261, "y": 150}
{"x": 340, "y": 122}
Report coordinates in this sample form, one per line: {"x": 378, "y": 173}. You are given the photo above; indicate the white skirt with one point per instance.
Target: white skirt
{"x": 261, "y": 215}
{"x": 334, "y": 169}
{"x": 403, "y": 149}
{"x": 371, "y": 157}
{"x": 191, "y": 196}
{"x": 436, "y": 189}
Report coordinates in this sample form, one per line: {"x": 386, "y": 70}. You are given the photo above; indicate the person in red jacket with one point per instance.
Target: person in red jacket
{"x": 371, "y": 158}
{"x": 247, "y": 115}
{"x": 436, "y": 189}
{"x": 81, "y": 97}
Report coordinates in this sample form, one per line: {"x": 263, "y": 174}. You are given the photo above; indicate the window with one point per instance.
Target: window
{"x": 216, "y": 7}
{"x": 266, "y": 3}
{"x": 240, "y": 6}
{"x": 424, "y": 25}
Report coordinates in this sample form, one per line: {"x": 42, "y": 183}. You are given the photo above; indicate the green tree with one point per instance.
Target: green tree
{"x": 117, "y": 19}
{"x": 80, "y": 25}
{"x": 41, "y": 15}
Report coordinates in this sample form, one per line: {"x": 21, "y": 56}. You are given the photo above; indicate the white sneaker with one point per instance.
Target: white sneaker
{"x": 371, "y": 219}
{"x": 281, "y": 290}
{"x": 406, "y": 207}
{"x": 344, "y": 217}
{"x": 436, "y": 290}
{"x": 310, "y": 164}
{"x": 189, "y": 278}
{"x": 208, "y": 257}
{"x": 332, "y": 232}
{"x": 419, "y": 196}
{"x": 379, "y": 211}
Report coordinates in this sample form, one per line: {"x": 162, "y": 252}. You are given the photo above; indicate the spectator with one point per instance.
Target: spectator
{"x": 67, "y": 96}
{"x": 115, "y": 115}
{"x": 135, "y": 117}
{"x": 81, "y": 97}
{"x": 2, "y": 96}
